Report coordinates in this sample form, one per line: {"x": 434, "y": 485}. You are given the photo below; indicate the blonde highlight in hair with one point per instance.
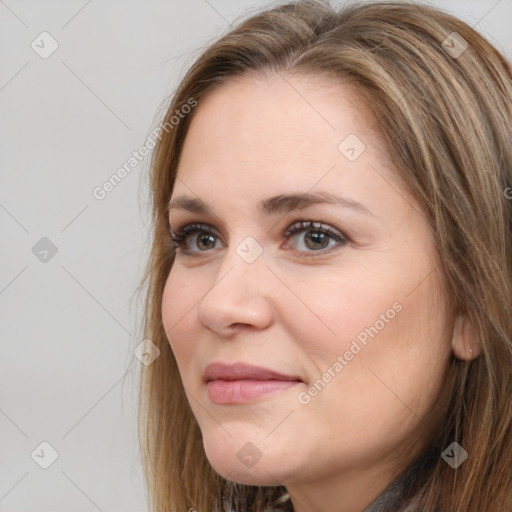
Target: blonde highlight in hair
{"x": 447, "y": 124}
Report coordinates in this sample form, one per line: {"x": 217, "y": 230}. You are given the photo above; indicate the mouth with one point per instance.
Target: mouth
{"x": 240, "y": 383}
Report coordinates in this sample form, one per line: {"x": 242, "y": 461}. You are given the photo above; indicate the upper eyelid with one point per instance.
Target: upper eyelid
{"x": 296, "y": 227}
{"x": 193, "y": 219}
{"x": 199, "y": 225}
{"x": 319, "y": 225}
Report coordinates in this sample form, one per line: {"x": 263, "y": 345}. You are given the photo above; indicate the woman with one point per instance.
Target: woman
{"x": 330, "y": 278}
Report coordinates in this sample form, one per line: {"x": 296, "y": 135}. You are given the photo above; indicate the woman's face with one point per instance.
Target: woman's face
{"x": 335, "y": 302}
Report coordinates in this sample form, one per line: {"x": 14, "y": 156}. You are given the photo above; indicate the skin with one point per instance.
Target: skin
{"x": 296, "y": 308}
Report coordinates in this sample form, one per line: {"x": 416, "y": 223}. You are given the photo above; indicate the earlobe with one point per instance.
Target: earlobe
{"x": 464, "y": 343}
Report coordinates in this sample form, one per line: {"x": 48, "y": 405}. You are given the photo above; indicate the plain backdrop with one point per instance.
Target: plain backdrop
{"x": 70, "y": 262}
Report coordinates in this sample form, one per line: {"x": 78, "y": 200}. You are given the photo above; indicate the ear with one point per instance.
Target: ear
{"x": 464, "y": 343}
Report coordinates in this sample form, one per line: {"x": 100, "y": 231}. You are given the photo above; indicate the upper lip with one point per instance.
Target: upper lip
{"x": 242, "y": 371}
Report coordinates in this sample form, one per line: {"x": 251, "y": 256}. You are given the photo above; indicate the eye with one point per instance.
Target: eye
{"x": 310, "y": 237}
{"x": 314, "y": 236}
{"x": 194, "y": 236}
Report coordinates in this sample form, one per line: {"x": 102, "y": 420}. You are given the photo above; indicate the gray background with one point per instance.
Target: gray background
{"x": 69, "y": 323}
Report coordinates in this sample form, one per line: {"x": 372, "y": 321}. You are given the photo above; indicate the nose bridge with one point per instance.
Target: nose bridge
{"x": 244, "y": 265}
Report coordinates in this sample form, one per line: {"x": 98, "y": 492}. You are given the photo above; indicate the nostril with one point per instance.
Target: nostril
{"x": 239, "y": 325}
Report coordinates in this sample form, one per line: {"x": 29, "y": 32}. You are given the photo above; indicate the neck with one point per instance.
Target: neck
{"x": 374, "y": 490}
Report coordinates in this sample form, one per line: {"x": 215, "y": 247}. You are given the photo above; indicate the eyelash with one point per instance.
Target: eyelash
{"x": 180, "y": 235}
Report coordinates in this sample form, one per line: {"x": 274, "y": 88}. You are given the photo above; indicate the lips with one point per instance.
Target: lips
{"x": 242, "y": 371}
{"x": 240, "y": 382}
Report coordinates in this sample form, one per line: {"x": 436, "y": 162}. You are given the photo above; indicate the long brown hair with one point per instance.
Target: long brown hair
{"x": 442, "y": 98}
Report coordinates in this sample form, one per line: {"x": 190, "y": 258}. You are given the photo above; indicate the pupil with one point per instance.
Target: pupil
{"x": 316, "y": 239}
{"x": 204, "y": 239}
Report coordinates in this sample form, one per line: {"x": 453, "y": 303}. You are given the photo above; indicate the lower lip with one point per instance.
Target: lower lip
{"x": 240, "y": 391}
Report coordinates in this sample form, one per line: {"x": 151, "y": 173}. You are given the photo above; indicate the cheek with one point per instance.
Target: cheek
{"x": 384, "y": 340}
{"x": 179, "y": 299}
{"x": 334, "y": 310}
{"x": 384, "y": 295}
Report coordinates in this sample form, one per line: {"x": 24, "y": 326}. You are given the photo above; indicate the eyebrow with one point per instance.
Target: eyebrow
{"x": 281, "y": 204}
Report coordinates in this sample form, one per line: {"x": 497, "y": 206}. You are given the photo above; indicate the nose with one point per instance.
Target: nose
{"x": 239, "y": 297}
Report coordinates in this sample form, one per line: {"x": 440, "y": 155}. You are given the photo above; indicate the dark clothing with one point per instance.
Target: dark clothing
{"x": 394, "y": 496}
{"x": 389, "y": 499}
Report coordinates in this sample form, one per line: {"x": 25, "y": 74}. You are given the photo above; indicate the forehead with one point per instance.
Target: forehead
{"x": 262, "y": 113}
{"x": 279, "y": 133}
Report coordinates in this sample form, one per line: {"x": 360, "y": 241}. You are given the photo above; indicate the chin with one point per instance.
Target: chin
{"x": 243, "y": 461}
